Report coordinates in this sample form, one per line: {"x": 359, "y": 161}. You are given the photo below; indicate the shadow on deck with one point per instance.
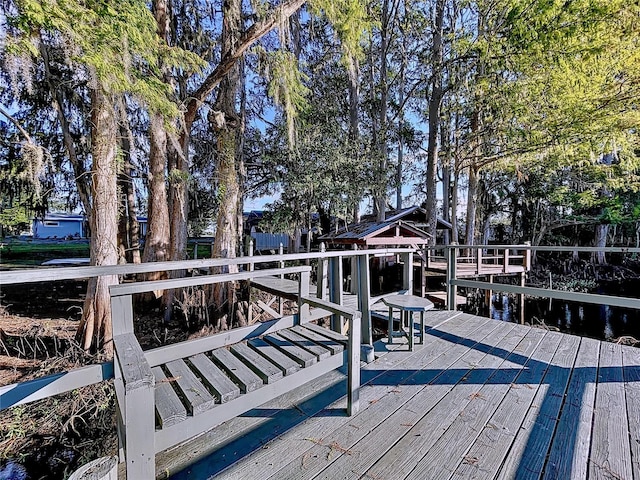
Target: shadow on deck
{"x": 480, "y": 399}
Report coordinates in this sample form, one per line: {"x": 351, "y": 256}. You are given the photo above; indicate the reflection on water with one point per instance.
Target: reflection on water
{"x": 596, "y": 321}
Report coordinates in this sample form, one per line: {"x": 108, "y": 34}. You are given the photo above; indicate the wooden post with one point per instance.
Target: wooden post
{"x": 195, "y": 251}
{"x": 505, "y": 260}
{"x": 427, "y": 256}
{"x": 122, "y": 314}
{"x": 303, "y": 291}
{"x": 479, "y": 259}
{"x": 527, "y": 257}
{"x": 522, "y": 282}
{"x": 452, "y": 258}
{"x": 322, "y": 274}
{"x": 135, "y": 385}
{"x": 140, "y": 428}
{"x": 489, "y": 293}
{"x": 364, "y": 297}
{"x": 354, "y": 272}
{"x": 280, "y": 299}
{"x": 335, "y": 291}
{"x": 407, "y": 272}
{"x": 353, "y": 367}
{"x": 423, "y": 276}
{"x": 251, "y": 265}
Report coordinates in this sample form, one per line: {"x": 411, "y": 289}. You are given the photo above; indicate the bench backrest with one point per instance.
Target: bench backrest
{"x": 121, "y": 295}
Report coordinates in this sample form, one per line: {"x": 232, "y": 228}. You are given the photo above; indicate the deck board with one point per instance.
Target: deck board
{"x": 480, "y": 399}
{"x": 631, "y": 372}
{"x": 570, "y": 448}
{"x": 396, "y": 383}
{"x": 487, "y": 453}
{"x": 610, "y": 452}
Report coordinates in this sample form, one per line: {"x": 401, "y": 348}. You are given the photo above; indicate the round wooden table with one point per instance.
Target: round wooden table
{"x": 407, "y": 304}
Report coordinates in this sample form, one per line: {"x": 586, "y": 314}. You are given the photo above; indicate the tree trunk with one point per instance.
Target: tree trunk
{"x": 131, "y": 237}
{"x": 454, "y": 208}
{"x": 434, "y": 123}
{"x": 380, "y": 179}
{"x": 401, "y": 87}
{"x": 446, "y": 182}
{"x": 472, "y": 202}
{"x": 95, "y": 328}
{"x": 156, "y": 247}
{"x": 600, "y": 241}
{"x": 226, "y": 122}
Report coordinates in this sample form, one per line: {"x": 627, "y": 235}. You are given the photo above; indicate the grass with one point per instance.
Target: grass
{"x": 34, "y": 252}
{"x": 16, "y": 253}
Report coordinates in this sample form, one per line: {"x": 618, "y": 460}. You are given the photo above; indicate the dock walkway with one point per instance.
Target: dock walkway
{"x": 480, "y": 399}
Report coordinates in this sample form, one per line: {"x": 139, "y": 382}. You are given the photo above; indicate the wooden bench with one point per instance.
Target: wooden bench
{"x": 169, "y": 394}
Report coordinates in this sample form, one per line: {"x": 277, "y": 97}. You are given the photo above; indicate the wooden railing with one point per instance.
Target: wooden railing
{"x": 481, "y": 259}
{"x": 134, "y": 379}
{"x": 330, "y": 270}
{"x": 453, "y": 281}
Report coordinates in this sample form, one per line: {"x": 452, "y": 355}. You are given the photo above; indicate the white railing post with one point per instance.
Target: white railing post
{"x": 505, "y": 268}
{"x": 452, "y": 258}
{"x": 407, "y": 272}
{"x": 479, "y": 259}
{"x": 251, "y": 264}
{"x": 354, "y": 272}
{"x": 527, "y": 256}
{"x": 280, "y": 298}
{"x": 364, "y": 297}
{"x": 353, "y": 366}
{"x": 335, "y": 291}
{"x": 322, "y": 274}
{"x": 303, "y": 292}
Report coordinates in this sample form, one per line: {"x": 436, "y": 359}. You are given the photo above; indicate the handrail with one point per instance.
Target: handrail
{"x": 55, "y": 384}
{"x": 542, "y": 248}
{"x": 151, "y": 286}
{"x": 72, "y": 273}
{"x": 590, "y": 298}
{"x": 593, "y": 298}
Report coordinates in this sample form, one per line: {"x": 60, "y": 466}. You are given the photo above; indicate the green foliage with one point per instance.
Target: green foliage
{"x": 14, "y": 220}
{"x": 116, "y": 41}
{"x": 286, "y": 87}
{"x": 349, "y": 19}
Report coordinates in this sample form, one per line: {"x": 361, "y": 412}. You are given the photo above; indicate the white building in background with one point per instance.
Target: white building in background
{"x": 69, "y": 225}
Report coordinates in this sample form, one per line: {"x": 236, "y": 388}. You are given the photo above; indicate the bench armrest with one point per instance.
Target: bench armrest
{"x": 133, "y": 366}
{"x": 135, "y": 384}
{"x": 353, "y": 349}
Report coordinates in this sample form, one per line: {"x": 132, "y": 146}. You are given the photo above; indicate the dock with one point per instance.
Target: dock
{"x": 480, "y": 399}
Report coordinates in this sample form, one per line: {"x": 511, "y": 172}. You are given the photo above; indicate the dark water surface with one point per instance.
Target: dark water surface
{"x": 591, "y": 320}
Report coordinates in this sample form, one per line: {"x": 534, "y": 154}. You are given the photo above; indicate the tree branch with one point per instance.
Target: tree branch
{"x": 16, "y": 123}
{"x": 254, "y": 33}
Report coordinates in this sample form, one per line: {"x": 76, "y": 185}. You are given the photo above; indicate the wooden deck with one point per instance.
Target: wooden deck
{"x": 480, "y": 399}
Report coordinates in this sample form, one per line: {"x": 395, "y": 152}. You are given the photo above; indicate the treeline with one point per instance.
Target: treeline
{"x": 512, "y": 119}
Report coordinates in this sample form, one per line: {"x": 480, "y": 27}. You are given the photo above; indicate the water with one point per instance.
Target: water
{"x": 596, "y": 321}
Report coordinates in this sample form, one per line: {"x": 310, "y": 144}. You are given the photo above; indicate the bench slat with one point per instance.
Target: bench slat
{"x": 262, "y": 367}
{"x": 238, "y": 371}
{"x": 300, "y": 355}
{"x": 284, "y": 362}
{"x": 198, "y": 397}
{"x": 307, "y": 344}
{"x": 332, "y": 345}
{"x": 215, "y": 379}
{"x": 169, "y": 408}
{"x": 325, "y": 332}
